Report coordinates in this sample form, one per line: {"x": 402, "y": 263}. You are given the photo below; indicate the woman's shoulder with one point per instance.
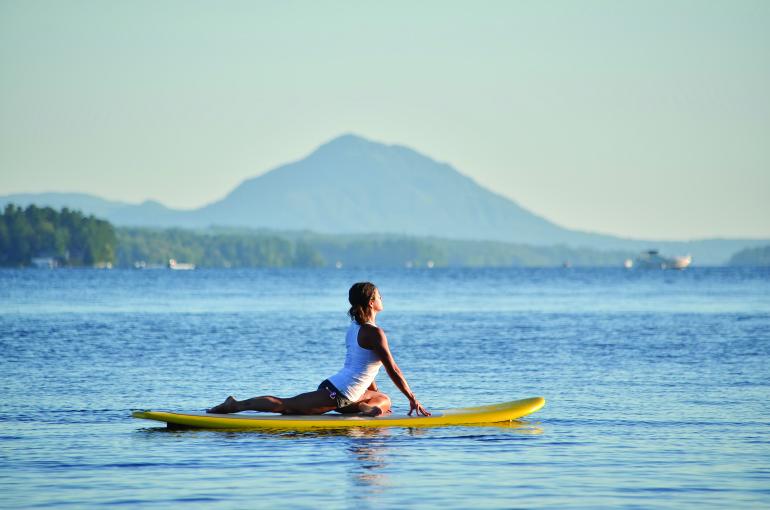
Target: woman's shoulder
{"x": 370, "y": 336}
{"x": 371, "y": 330}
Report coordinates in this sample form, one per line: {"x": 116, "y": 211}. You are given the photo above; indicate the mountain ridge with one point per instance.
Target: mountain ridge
{"x": 414, "y": 195}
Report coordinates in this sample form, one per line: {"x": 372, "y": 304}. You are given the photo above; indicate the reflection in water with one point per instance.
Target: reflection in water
{"x": 517, "y": 426}
{"x": 368, "y": 447}
{"x": 368, "y": 453}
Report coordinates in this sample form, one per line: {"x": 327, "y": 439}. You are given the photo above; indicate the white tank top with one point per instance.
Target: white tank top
{"x": 361, "y": 366}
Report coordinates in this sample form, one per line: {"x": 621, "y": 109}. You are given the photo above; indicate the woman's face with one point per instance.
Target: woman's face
{"x": 376, "y": 302}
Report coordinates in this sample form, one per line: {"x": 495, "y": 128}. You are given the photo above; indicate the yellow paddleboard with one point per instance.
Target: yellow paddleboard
{"x": 505, "y": 411}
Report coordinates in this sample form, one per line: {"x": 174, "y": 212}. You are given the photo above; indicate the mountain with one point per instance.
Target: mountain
{"x": 351, "y": 185}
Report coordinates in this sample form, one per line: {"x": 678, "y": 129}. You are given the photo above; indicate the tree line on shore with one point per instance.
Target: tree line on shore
{"x": 73, "y": 239}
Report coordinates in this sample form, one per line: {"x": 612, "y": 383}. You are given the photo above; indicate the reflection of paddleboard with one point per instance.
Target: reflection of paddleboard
{"x": 506, "y": 411}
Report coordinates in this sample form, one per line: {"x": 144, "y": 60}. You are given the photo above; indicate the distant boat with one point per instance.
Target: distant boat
{"x": 651, "y": 259}
{"x": 681, "y": 262}
{"x": 180, "y": 266}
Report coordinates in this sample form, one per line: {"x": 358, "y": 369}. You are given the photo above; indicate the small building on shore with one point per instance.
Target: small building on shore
{"x": 180, "y": 266}
{"x": 44, "y": 262}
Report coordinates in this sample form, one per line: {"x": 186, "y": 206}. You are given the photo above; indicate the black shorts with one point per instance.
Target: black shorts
{"x": 340, "y": 400}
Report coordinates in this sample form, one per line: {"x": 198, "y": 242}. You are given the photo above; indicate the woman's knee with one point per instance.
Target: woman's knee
{"x": 278, "y": 404}
{"x": 306, "y": 403}
{"x": 381, "y": 399}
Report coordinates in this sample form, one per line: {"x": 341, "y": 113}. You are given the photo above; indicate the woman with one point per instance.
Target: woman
{"x": 352, "y": 389}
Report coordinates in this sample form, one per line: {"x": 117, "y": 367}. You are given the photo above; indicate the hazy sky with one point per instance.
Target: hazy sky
{"x": 644, "y": 119}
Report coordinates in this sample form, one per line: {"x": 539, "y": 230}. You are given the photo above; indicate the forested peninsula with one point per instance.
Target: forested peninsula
{"x": 41, "y": 235}
{"x": 68, "y": 238}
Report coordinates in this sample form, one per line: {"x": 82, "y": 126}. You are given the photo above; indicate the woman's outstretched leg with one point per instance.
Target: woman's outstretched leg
{"x": 266, "y": 404}
{"x": 314, "y": 402}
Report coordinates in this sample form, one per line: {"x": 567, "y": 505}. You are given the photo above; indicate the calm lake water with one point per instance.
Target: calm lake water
{"x": 657, "y": 387}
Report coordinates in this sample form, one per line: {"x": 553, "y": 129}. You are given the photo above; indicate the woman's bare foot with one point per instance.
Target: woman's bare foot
{"x": 226, "y": 407}
{"x": 366, "y": 410}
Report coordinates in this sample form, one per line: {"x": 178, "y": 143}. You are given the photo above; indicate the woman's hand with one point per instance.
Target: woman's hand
{"x": 415, "y": 406}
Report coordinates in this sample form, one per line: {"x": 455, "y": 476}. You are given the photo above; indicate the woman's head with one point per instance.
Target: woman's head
{"x": 364, "y": 301}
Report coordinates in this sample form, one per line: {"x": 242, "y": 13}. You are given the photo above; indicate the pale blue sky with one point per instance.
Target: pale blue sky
{"x": 644, "y": 119}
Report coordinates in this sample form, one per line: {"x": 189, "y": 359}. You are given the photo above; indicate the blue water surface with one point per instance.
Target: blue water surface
{"x": 657, "y": 386}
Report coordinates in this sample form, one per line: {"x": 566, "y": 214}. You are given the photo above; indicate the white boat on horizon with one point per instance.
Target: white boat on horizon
{"x": 652, "y": 259}
{"x": 681, "y": 261}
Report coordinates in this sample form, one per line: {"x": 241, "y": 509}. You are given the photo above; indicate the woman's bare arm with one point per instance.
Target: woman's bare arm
{"x": 374, "y": 338}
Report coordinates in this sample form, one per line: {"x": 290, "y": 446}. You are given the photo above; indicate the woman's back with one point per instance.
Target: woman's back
{"x": 361, "y": 366}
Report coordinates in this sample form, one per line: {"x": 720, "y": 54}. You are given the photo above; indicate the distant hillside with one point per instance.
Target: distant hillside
{"x": 756, "y": 257}
{"x": 148, "y": 213}
{"x": 353, "y": 186}
{"x": 143, "y": 247}
{"x": 406, "y": 251}
{"x": 248, "y": 248}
